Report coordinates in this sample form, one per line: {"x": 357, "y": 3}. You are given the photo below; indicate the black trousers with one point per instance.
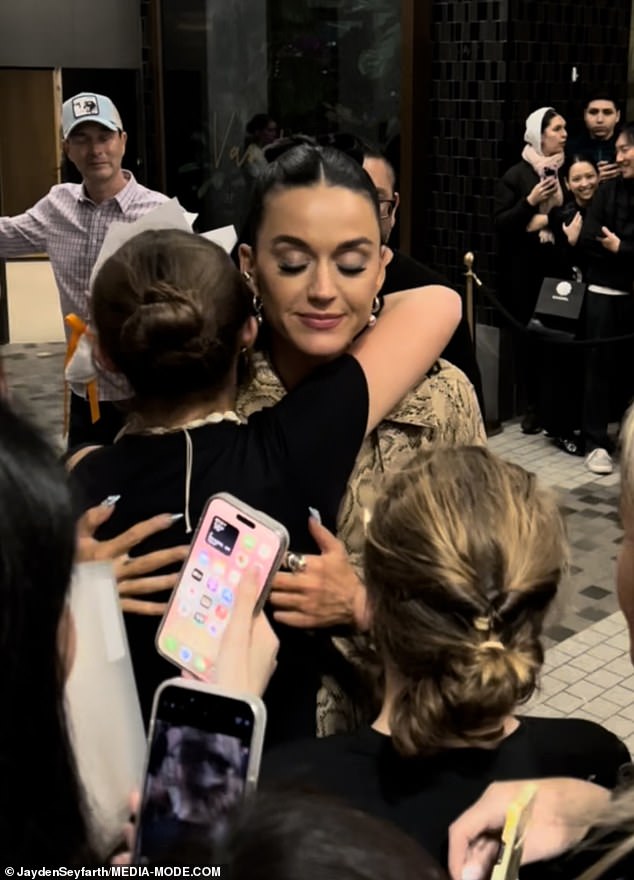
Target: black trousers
{"x": 81, "y": 430}
{"x": 608, "y": 386}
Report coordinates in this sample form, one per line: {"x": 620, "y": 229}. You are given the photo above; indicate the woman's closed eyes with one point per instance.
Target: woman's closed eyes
{"x": 298, "y": 268}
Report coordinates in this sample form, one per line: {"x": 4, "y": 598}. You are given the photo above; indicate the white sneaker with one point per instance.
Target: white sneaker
{"x": 599, "y": 462}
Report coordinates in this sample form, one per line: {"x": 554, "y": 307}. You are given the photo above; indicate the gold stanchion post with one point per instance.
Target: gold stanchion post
{"x": 471, "y": 276}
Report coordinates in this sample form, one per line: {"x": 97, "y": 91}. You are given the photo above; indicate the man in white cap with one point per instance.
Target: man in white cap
{"x": 70, "y": 224}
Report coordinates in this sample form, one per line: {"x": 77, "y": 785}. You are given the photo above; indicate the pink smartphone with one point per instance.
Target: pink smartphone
{"x": 231, "y": 539}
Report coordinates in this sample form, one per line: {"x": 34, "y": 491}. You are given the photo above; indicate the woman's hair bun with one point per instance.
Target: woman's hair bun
{"x": 169, "y": 307}
{"x": 165, "y": 319}
{"x": 463, "y": 556}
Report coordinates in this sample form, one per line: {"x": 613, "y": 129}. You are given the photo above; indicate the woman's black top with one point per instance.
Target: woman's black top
{"x": 296, "y": 454}
{"x": 523, "y": 260}
{"x": 424, "y": 795}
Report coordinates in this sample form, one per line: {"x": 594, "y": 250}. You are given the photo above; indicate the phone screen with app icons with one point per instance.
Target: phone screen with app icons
{"x": 231, "y": 541}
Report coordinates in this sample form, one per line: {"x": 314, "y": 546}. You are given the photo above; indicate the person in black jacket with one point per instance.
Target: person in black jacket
{"x": 524, "y": 198}
{"x": 607, "y": 239}
{"x": 601, "y": 116}
{"x": 403, "y": 272}
{"x": 561, "y": 396}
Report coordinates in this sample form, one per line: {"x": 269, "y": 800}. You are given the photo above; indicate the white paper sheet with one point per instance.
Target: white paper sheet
{"x": 225, "y": 237}
{"x": 102, "y": 704}
{"x": 169, "y": 215}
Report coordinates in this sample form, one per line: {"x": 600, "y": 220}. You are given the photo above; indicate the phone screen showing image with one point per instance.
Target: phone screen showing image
{"x": 196, "y": 774}
{"x": 228, "y": 544}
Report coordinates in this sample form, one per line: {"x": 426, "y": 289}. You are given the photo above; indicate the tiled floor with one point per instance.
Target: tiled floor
{"x": 590, "y": 505}
{"x": 588, "y": 671}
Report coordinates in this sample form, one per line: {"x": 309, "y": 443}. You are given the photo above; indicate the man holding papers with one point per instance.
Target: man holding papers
{"x": 70, "y": 224}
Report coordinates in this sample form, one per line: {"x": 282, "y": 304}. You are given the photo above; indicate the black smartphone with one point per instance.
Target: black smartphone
{"x": 203, "y": 760}
{"x": 550, "y": 172}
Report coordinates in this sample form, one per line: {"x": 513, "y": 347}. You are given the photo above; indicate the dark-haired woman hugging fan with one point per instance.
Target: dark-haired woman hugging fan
{"x": 173, "y": 315}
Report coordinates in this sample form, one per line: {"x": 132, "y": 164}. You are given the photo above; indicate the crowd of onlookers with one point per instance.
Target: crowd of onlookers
{"x": 330, "y": 382}
{"x": 566, "y": 211}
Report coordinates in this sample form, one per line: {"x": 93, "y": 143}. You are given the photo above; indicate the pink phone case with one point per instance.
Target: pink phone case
{"x": 231, "y": 539}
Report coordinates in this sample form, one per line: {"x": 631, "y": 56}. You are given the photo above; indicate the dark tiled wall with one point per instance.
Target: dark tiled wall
{"x": 494, "y": 62}
{"x": 148, "y": 86}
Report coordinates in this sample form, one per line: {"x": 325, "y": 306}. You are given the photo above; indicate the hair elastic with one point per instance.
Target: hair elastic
{"x": 491, "y": 643}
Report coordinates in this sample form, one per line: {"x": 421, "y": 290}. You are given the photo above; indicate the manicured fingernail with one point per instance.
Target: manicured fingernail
{"x": 315, "y": 514}
{"x": 110, "y": 501}
{"x": 176, "y": 516}
{"x": 472, "y": 872}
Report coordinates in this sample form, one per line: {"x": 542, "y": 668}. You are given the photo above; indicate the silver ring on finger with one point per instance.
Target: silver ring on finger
{"x": 295, "y": 562}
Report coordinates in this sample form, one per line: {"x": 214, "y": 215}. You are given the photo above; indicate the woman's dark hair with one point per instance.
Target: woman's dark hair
{"x": 41, "y": 802}
{"x": 258, "y": 122}
{"x": 288, "y": 835}
{"x": 306, "y": 165}
{"x": 575, "y": 158}
{"x": 628, "y": 131}
{"x": 168, "y": 307}
{"x": 599, "y": 95}
{"x": 463, "y": 557}
{"x": 547, "y": 118}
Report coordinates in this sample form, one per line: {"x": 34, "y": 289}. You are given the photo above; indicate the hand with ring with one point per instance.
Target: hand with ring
{"x": 295, "y": 562}
{"x": 319, "y": 590}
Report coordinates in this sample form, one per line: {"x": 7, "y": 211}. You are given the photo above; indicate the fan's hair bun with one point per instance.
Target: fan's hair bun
{"x": 168, "y": 307}
{"x": 463, "y": 557}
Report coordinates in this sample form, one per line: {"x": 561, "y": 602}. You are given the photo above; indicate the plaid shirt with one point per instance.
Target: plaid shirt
{"x": 71, "y": 228}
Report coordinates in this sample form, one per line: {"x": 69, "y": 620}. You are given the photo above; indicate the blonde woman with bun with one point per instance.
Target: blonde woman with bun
{"x": 464, "y": 557}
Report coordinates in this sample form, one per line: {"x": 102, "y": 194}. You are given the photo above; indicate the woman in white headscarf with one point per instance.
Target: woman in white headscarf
{"x": 524, "y": 198}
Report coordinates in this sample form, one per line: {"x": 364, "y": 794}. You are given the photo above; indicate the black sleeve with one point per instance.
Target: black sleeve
{"x": 578, "y": 748}
{"x": 595, "y": 218}
{"x": 556, "y": 220}
{"x": 404, "y": 273}
{"x": 511, "y": 212}
{"x": 320, "y": 425}
{"x": 602, "y": 213}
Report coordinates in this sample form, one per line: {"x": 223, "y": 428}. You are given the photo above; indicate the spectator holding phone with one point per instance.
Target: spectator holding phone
{"x": 524, "y": 199}
{"x": 607, "y": 243}
{"x": 601, "y": 117}
{"x": 562, "y": 395}
{"x": 43, "y": 819}
{"x": 564, "y": 812}
{"x": 464, "y": 557}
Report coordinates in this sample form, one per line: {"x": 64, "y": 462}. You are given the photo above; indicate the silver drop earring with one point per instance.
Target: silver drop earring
{"x": 376, "y": 308}
{"x": 257, "y": 308}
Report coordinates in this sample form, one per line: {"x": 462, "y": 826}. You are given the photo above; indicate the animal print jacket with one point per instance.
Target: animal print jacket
{"x": 441, "y": 411}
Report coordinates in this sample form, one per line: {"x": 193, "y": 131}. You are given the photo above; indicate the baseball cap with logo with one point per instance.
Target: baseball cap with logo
{"x": 89, "y": 107}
